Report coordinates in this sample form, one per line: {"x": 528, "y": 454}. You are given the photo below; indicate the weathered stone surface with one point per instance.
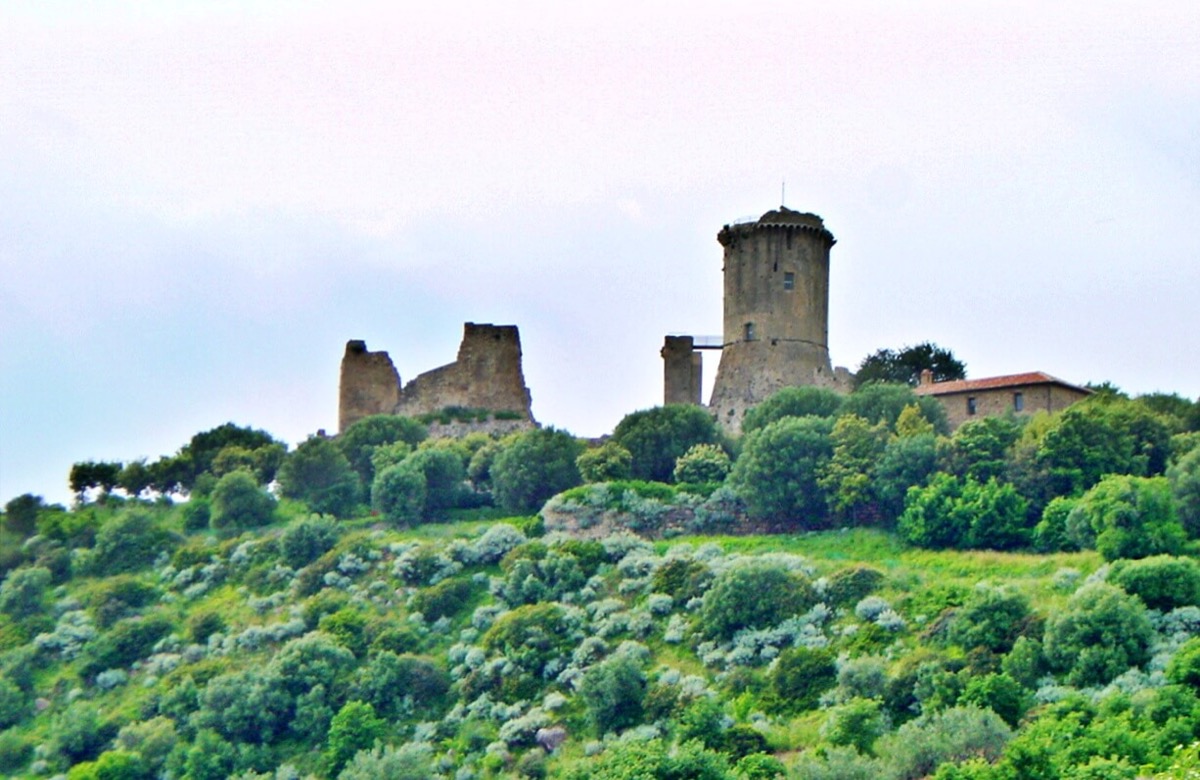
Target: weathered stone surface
{"x": 369, "y": 384}
{"x": 486, "y": 375}
{"x": 682, "y": 371}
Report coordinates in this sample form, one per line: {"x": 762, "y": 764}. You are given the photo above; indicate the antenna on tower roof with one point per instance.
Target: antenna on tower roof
{"x": 783, "y": 193}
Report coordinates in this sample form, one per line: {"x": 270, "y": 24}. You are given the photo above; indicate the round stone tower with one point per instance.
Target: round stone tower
{"x": 776, "y": 311}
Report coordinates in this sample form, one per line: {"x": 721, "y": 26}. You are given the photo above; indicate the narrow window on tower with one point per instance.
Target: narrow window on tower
{"x": 1018, "y": 402}
{"x": 750, "y": 336}
{"x": 789, "y": 280}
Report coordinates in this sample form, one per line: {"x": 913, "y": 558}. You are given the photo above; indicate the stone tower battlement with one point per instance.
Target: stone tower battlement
{"x": 776, "y": 321}
{"x": 487, "y": 374}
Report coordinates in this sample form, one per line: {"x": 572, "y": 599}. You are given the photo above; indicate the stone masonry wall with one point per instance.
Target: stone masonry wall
{"x": 369, "y": 384}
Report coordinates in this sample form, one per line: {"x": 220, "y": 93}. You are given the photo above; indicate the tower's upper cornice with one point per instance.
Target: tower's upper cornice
{"x": 780, "y": 218}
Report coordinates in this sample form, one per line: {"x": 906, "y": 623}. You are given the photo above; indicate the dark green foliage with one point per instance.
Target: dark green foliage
{"x": 799, "y": 677}
{"x": 117, "y": 597}
{"x": 877, "y": 402}
{"x": 313, "y": 659}
{"x": 1184, "y": 477}
{"x": 134, "y": 478}
{"x": 306, "y": 539}
{"x": 918, "y": 747}
{"x": 1025, "y": 663}
{"x": 776, "y": 473}
{"x": 614, "y": 691}
{"x": 238, "y": 502}
{"x": 129, "y": 541}
{"x": 857, "y": 723}
{"x": 805, "y": 401}
{"x": 848, "y": 586}
{"x": 198, "y": 455}
{"x": 391, "y": 681}
{"x": 950, "y": 512}
{"x": 197, "y": 513}
{"x": 998, "y": 692}
{"x": 701, "y": 464}
{"x": 682, "y": 579}
{"x": 320, "y": 475}
{"x": 907, "y": 461}
{"x": 246, "y": 706}
{"x": 445, "y": 599}
{"x": 348, "y": 628}
{"x": 703, "y": 721}
{"x": 20, "y": 514}
{"x": 589, "y": 554}
{"x": 15, "y": 752}
{"x": 1162, "y": 582}
{"x": 904, "y": 366}
{"x": 127, "y": 641}
{"x": 444, "y": 477}
{"x": 112, "y": 765}
{"x": 536, "y": 465}
{"x": 202, "y": 625}
{"x": 606, "y": 463}
{"x": 753, "y": 596}
{"x": 981, "y": 449}
{"x": 209, "y": 758}
{"x": 1102, "y": 632}
{"x": 412, "y": 761}
{"x": 1184, "y": 667}
{"x": 530, "y": 636}
{"x": 652, "y": 760}
{"x": 759, "y": 766}
{"x": 14, "y": 704}
{"x": 79, "y": 733}
{"x": 845, "y": 478}
{"x": 399, "y": 493}
{"x": 354, "y": 728}
{"x": 359, "y": 441}
{"x": 992, "y": 618}
{"x": 23, "y": 591}
{"x": 657, "y": 437}
{"x": 90, "y": 474}
{"x": 1131, "y": 517}
{"x": 1054, "y": 533}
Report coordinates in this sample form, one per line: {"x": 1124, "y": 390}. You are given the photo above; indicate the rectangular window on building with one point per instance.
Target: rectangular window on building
{"x": 971, "y": 405}
{"x": 1018, "y": 402}
{"x": 750, "y": 331}
{"x": 789, "y": 280}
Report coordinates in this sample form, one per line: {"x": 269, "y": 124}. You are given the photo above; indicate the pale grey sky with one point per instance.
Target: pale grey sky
{"x": 200, "y": 202}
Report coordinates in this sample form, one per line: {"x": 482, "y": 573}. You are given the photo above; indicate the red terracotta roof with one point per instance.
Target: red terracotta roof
{"x": 994, "y": 383}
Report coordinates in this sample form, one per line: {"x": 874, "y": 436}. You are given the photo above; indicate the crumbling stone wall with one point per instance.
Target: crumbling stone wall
{"x": 486, "y": 375}
{"x": 682, "y": 371}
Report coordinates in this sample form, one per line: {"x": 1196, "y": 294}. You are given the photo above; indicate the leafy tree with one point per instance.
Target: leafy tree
{"x": 753, "y": 596}
{"x": 20, "y": 514}
{"x": 918, "y": 747}
{"x": 23, "y": 591}
{"x": 776, "y": 473}
{"x": 652, "y": 760}
{"x": 799, "y": 676}
{"x": 306, "y": 539}
{"x": 533, "y": 467}
{"x": 129, "y": 541}
{"x": 135, "y": 477}
{"x": 992, "y": 618}
{"x": 444, "y": 477}
{"x": 857, "y": 723}
{"x": 904, "y": 366}
{"x": 845, "y": 477}
{"x": 238, "y": 502}
{"x": 1102, "y": 632}
{"x": 702, "y": 463}
{"x": 912, "y": 423}
{"x": 949, "y": 512}
{"x": 399, "y": 493}
{"x": 14, "y": 704}
{"x": 92, "y": 474}
{"x": 354, "y": 728}
{"x": 906, "y": 461}
{"x": 531, "y": 637}
{"x": 310, "y": 660}
{"x": 1162, "y": 582}
{"x": 1131, "y": 517}
{"x": 614, "y": 691}
{"x": 209, "y": 758}
{"x": 1053, "y": 533}
{"x": 878, "y": 402}
{"x": 388, "y": 680}
{"x": 1184, "y": 478}
{"x": 112, "y": 765}
{"x": 657, "y": 437}
{"x": 999, "y": 693}
{"x": 1184, "y": 666}
{"x": 197, "y": 456}
{"x": 127, "y": 641}
{"x": 411, "y": 761}
{"x": 607, "y": 463}
{"x": 359, "y": 441}
{"x": 320, "y": 475}
{"x": 980, "y": 448}
{"x": 793, "y": 402}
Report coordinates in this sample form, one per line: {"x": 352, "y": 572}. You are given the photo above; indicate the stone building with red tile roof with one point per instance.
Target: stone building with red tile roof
{"x": 969, "y": 399}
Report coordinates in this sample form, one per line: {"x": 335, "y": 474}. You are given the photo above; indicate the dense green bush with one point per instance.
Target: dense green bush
{"x": 776, "y": 473}
{"x": 1131, "y": 517}
{"x": 614, "y": 692}
{"x": 882, "y": 402}
{"x": 682, "y": 579}
{"x": 533, "y": 467}
{"x": 399, "y": 493}
{"x": 14, "y": 704}
{"x": 129, "y": 541}
{"x": 657, "y": 437}
{"x": 1184, "y": 478}
{"x": 857, "y": 723}
{"x": 753, "y": 596}
{"x": 445, "y": 476}
{"x": 23, "y": 591}
{"x": 950, "y": 512}
{"x": 918, "y": 747}
{"x": 116, "y": 597}
{"x": 392, "y": 683}
{"x": 606, "y": 463}
{"x": 702, "y": 463}
{"x": 127, "y": 641}
{"x": 411, "y": 761}
{"x": 799, "y": 676}
{"x": 238, "y": 502}
{"x": 197, "y": 514}
{"x": 359, "y": 441}
{"x": 1162, "y": 582}
{"x": 652, "y": 760}
{"x": 445, "y": 599}
{"x": 306, "y": 539}
{"x": 354, "y": 728}
{"x": 846, "y": 587}
{"x": 1102, "y": 632}
{"x": 907, "y": 461}
{"x": 793, "y": 402}
{"x": 318, "y": 474}
{"x": 992, "y": 618}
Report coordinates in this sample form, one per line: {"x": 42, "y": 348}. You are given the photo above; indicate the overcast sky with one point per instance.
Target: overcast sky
{"x": 201, "y": 202}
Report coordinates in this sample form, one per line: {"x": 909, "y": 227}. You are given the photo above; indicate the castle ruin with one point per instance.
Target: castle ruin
{"x": 487, "y": 375}
{"x": 776, "y": 321}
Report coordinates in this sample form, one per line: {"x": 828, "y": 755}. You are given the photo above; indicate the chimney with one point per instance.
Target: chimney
{"x": 926, "y": 376}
